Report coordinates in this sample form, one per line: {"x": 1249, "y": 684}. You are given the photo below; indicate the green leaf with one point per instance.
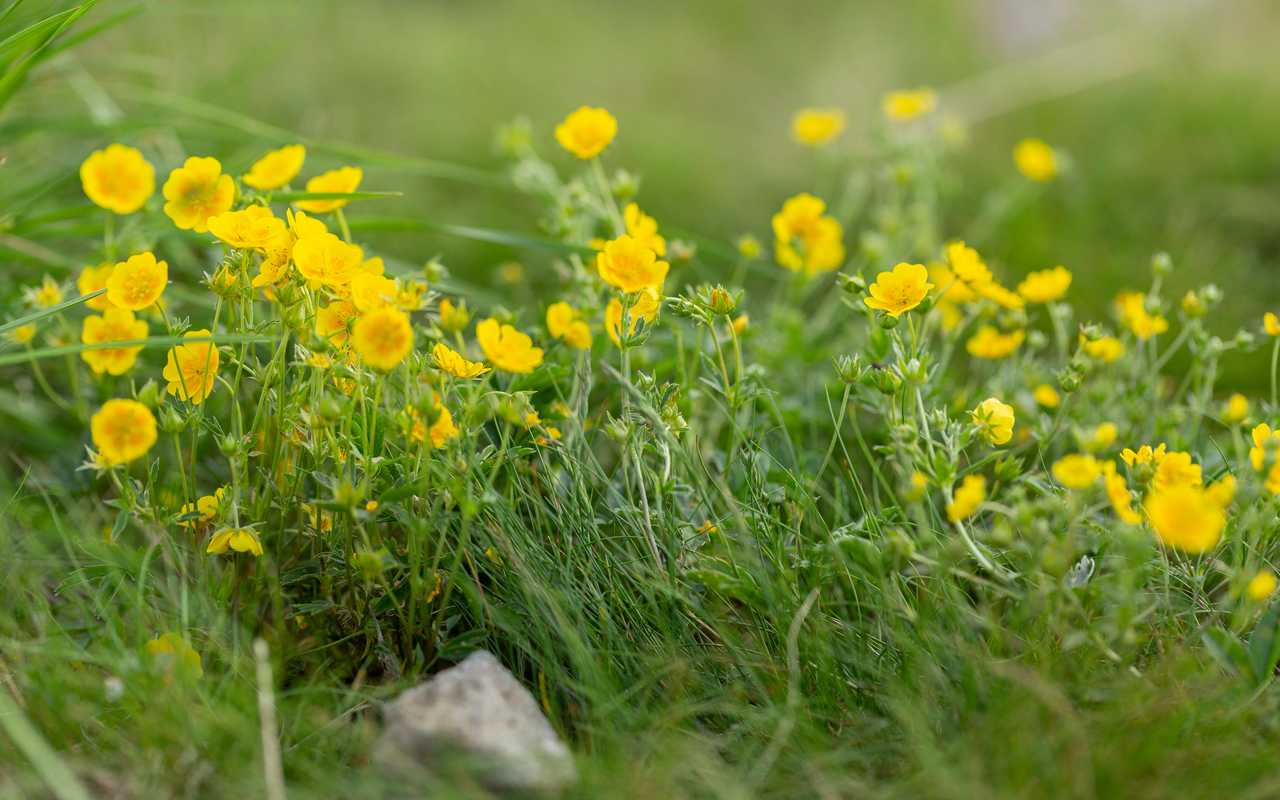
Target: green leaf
{"x": 50, "y": 311}
{"x": 13, "y": 78}
{"x": 152, "y": 341}
{"x": 32, "y": 31}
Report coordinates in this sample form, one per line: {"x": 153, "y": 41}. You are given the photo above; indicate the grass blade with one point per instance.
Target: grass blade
{"x": 151, "y": 341}
{"x": 507, "y": 238}
{"x": 61, "y": 780}
{"x": 50, "y": 311}
{"x": 290, "y": 197}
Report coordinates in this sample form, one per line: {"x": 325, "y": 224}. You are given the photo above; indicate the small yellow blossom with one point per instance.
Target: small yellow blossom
{"x": 326, "y": 260}
{"x": 992, "y": 344}
{"x": 1036, "y": 160}
{"x": 1191, "y": 305}
{"x": 1134, "y": 314}
{"x": 1077, "y": 471}
{"x": 1107, "y": 349}
{"x": 47, "y": 295}
{"x": 115, "y": 325}
{"x": 1000, "y": 295}
{"x": 118, "y": 179}
{"x": 1263, "y": 437}
{"x": 900, "y": 290}
{"x": 254, "y": 228}
{"x": 564, "y": 322}
{"x": 1222, "y": 492}
{"x": 1101, "y": 437}
{"x": 971, "y": 494}
{"x": 303, "y": 227}
{"x": 91, "y": 280}
{"x": 209, "y": 506}
{"x": 273, "y": 269}
{"x": 816, "y": 127}
{"x": 994, "y": 421}
{"x": 333, "y": 321}
{"x": 453, "y": 319}
{"x": 631, "y": 267}
{"x": 907, "y": 104}
{"x": 454, "y": 364}
{"x": 1236, "y": 409}
{"x": 440, "y": 432}
{"x": 919, "y": 485}
{"x": 1271, "y": 324}
{"x": 740, "y": 324}
{"x": 196, "y": 192}
{"x": 707, "y": 526}
{"x": 1046, "y": 285}
{"x": 806, "y": 239}
{"x": 1175, "y": 470}
{"x": 644, "y": 229}
{"x": 137, "y": 283}
{"x": 276, "y": 168}
{"x": 1118, "y": 493}
{"x": 1047, "y": 396}
{"x": 383, "y": 338}
{"x": 508, "y": 349}
{"x": 22, "y": 334}
{"x": 967, "y": 266}
{"x": 749, "y": 247}
{"x": 1183, "y": 517}
{"x": 172, "y": 650}
{"x": 123, "y": 430}
{"x": 645, "y": 308}
{"x": 947, "y": 285}
{"x": 1145, "y": 455}
{"x": 192, "y": 369}
{"x": 587, "y": 131}
{"x": 339, "y": 181}
{"x": 241, "y": 540}
{"x": 1261, "y": 586}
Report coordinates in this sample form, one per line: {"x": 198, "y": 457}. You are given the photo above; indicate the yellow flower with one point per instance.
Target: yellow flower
{"x": 919, "y": 485}
{"x": 1133, "y": 312}
{"x": 302, "y": 226}
{"x": 118, "y": 179}
{"x": 1046, "y": 285}
{"x": 948, "y": 285}
{"x": 900, "y": 290}
{"x": 508, "y": 348}
{"x": 1047, "y": 396}
{"x": 209, "y": 506}
{"x": 440, "y": 432}
{"x": 91, "y": 280}
{"x": 1191, "y": 305}
{"x": 1102, "y": 437}
{"x": 1262, "y": 437}
{"x": 197, "y": 191}
{"x": 1236, "y": 410}
{"x": 254, "y": 228}
{"x": 644, "y": 229}
{"x": 908, "y": 104}
{"x": 1145, "y": 455}
{"x": 1176, "y": 470}
{"x": 241, "y": 540}
{"x": 1185, "y": 518}
{"x": 1222, "y": 492}
{"x": 587, "y": 131}
{"x": 276, "y": 168}
{"x": 453, "y": 319}
{"x": 333, "y": 320}
{"x": 456, "y": 365}
{"x": 192, "y": 369}
{"x": 1000, "y": 295}
{"x": 370, "y": 292}
{"x": 123, "y": 430}
{"x": 630, "y": 266}
{"x": 371, "y": 506}
{"x": 22, "y": 334}
{"x": 740, "y": 324}
{"x": 805, "y": 239}
{"x": 273, "y": 269}
{"x": 990, "y": 343}
{"x": 1107, "y": 349}
{"x": 326, "y": 260}
{"x": 1077, "y": 471}
{"x": 319, "y": 360}
{"x": 1262, "y": 586}
{"x": 967, "y": 498}
{"x": 1035, "y": 159}
{"x": 341, "y": 181}
{"x": 1271, "y": 324}
{"x": 707, "y": 526}
{"x": 115, "y": 325}
{"x": 47, "y": 295}
{"x": 815, "y": 127}
{"x": 172, "y": 650}
{"x": 994, "y": 420}
{"x": 749, "y": 247}
{"x": 383, "y": 338}
{"x": 645, "y": 308}
{"x": 967, "y": 266}
{"x": 1118, "y": 493}
{"x": 137, "y": 283}
{"x": 563, "y": 322}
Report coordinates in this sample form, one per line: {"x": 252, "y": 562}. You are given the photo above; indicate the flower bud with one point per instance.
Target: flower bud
{"x": 369, "y": 563}
{"x": 296, "y": 317}
{"x": 1244, "y": 340}
{"x": 435, "y": 271}
{"x": 618, "y": 430}
{"x": 429, "y": 410}
{"x": 1092, "y": 332}
{"x": 1036, "y": 340}
{"x": 1143, "y": 472}
{"x": 916, "y": 371}
{"x": 924, "y": 305}
{"x": 349, "y": 495}
{"x": 329, "y": 410}
{"x": 1191, "y": 305}
{"x": 229, "y": 445}
{"x": 721, "y": 302}
{"x": 171, "y": 421}
{"x": 150, "y": 395}
{"x": 681, "y": 251}
{"x": 848, "y": 369}
{"x": 287, "y": 293}
{"x": 1008, "y": 469}
{"x": 625, "y": 185}
{"x": 681, "y": 307}
{"x": 884, "y": 379}
{"x": 853, "y": 284}
{"x": 1161, "y": 264}
{"x": 1070, "y": 379}
{"x": 887, "y": 321}
{"x": 1211, "y": 294}
{"x": 749, "y": 247}
{"x": 223, "y": 282}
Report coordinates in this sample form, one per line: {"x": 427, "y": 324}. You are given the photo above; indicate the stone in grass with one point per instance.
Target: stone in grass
{"x": 477, "y": 719}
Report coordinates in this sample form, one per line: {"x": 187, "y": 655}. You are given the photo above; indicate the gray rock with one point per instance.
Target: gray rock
{"x": 477, "y": 719}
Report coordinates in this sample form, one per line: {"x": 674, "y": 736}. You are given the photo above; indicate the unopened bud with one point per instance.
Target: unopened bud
{"x": 296, "y": 316}
{"x": 150, "y": 395}
{"x": 848, "y": 369}
{"x": 887, "y": 321}
{"x": 1008, "y": 469}
{"x": 1070, "y": 379}
{"x": 1161, "y": 264}
{"x": 171, "y": 421}
{"x": 853, "y": 284}
{"x": 884, "y": 379}
{"x": 229, "y": 445}
{"x": 721, "y": 302}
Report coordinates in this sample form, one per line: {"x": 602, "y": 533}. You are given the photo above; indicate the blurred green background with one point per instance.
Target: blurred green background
{"x": 1167, "y": 108}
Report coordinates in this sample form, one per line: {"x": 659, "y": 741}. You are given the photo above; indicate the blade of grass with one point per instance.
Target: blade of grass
{"x": 59, "y": 778}
{"x": 290, "y": 197}
{"x": 466, "y": 232}
{"x": 50, "y": 311}
{"x": 152, "y": 341}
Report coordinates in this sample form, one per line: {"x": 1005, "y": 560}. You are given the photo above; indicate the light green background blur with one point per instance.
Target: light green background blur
{"x": 1169, "y": 109}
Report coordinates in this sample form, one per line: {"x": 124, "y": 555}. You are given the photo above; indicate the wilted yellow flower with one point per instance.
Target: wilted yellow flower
{"x": 1108, "y": 349}
{"x": 172, "y": 650}
{"x": 1118, "y": 493}
{"x": 1076, "y": 471}
{"x": 900, "y": 290}
{"x": 91, "y": 280}
{"x": 383, "y": 338}
{"x": 333, "y": 320}
{"x": 644, "y": 229}
{"x": 626, "y": 264}
{"x": 1133, "y": 312}
{"x": 508, "y": 348}
{"x": 453, "y": 319}
{"x": 192, "y": 369}
{"x": 137, "y": 283}
{"x": 197, "y": 191}
{"x": 1261, "y": 586}
{"x": 115, "y": 325}
{"x": 370, "y": 292}
{"x": 456, "y": 365}
{"x": 1185, "y": 518}
{"x": 47, "y": 295}
{"x": 994, "y": 421}
{"x": 241, "y": 540}
{"x": 1047, "y": 396}
{"x": 340, "y": 181}
{"x": 1036, "y": 160}
{"x": 254, "y": 228}
{"x": 123, "y": 430}
{"x": 807, "y": 240}
{"x": 118, "y": 179}
{"x": 1046, "y": 285}
{"x": 1271, "y": 324}
{"x": 815, "y": 127}
{"x": 971, "y": 494}
{"x": 1176, "y": 469}
{"x": 967, "y": 265}
{"x": 564, "y": 321}
{"x": 326, "y": 260}
{"x": 276, "y": 168}
{"x": 645, "y": 308}
{"x": 992, "y": 344}
{"x": 908, "y": 104}
{"x": 1236, "y": 409}
{"x": 209, "y": 506}
{"x": 587, "y": 131}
